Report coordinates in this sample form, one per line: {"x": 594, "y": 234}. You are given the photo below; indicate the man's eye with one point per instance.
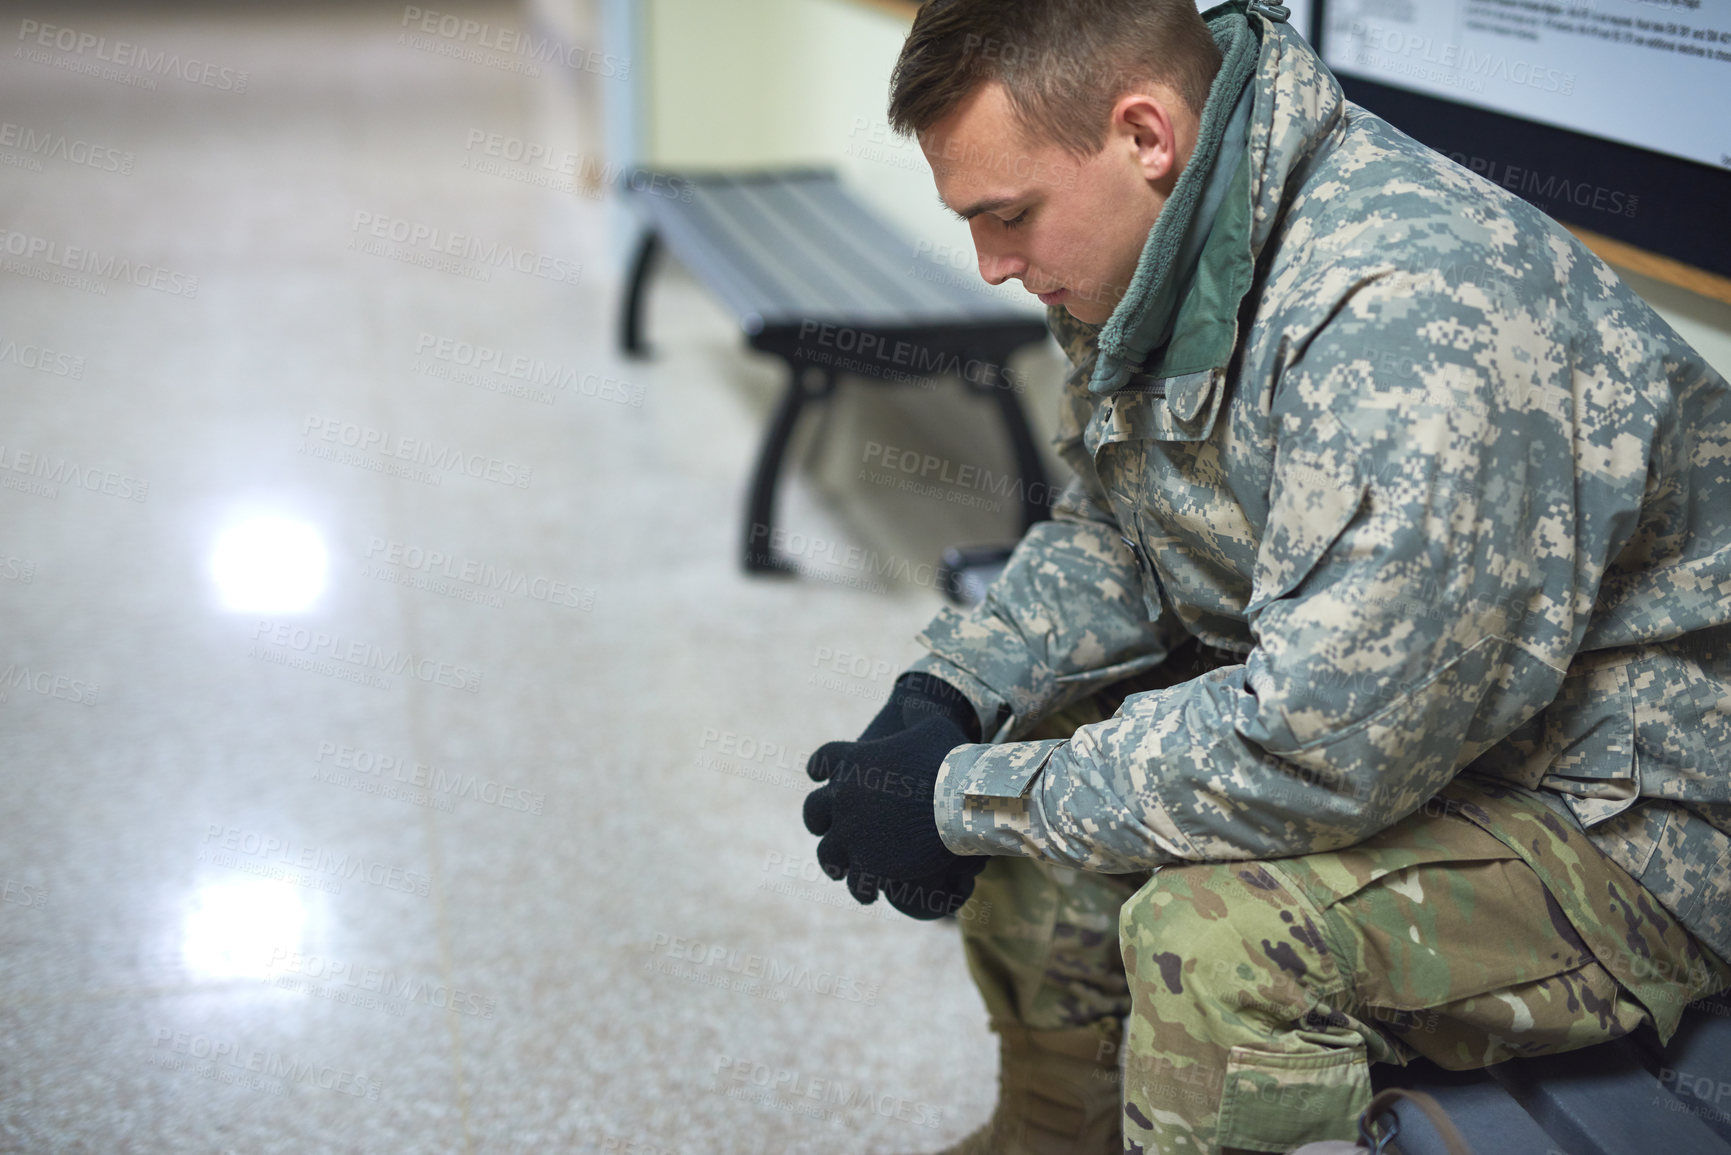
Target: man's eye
{"x": 1016, "y": 220}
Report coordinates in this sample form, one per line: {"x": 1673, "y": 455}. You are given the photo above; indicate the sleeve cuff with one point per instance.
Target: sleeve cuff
{"x": 981, "y": 802}
{"x": 990, "y": 708}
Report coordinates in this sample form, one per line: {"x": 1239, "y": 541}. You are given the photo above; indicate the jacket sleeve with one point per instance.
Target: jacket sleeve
{"x": 1419, "y": 589}
{"x": 1068, "y": 615}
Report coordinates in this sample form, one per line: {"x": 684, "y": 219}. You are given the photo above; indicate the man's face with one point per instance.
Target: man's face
{"x": 1071, "y": 231}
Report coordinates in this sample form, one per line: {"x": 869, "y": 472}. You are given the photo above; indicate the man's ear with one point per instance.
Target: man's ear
{"x": 1144, "y": 124}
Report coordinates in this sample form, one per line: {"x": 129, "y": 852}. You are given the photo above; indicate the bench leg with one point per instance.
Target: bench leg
{"x": 760, "y": 506}
{"x": 631, "y": 312}
{"x": 1036, "y": 490}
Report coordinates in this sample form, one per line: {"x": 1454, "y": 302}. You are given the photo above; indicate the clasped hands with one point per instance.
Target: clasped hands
{"x": 873, "y": 812}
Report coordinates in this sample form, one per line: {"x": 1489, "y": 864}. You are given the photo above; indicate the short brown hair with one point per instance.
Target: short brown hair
{"x": 1063, "y": 62}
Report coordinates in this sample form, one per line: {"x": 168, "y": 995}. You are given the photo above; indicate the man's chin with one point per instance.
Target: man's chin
{"x": 1087, "y": 312}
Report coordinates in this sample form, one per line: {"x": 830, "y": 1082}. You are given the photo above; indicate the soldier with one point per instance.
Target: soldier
{"x": 1365, "y": 697}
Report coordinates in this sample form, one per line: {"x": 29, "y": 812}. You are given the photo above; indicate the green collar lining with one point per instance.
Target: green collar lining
{"x": 1173, "y": 271}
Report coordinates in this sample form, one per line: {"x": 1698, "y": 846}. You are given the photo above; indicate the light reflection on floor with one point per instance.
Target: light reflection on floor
{"x": 357, "y": 787}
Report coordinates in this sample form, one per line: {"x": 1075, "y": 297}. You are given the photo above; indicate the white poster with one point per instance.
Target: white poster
{"x": 1652, "y": 73}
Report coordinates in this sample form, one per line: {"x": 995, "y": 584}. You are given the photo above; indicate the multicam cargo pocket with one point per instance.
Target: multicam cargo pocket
{"x": 1399, "y": 906}
{"x": 1619, "y": 921}
{"x": 1273, "y": 1101}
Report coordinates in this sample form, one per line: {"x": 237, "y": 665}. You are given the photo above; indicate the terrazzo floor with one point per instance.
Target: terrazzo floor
{"x": 358, "y": 802}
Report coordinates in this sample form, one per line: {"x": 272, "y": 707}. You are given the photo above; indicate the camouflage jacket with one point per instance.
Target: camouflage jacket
{"x": 1456, "y": 497}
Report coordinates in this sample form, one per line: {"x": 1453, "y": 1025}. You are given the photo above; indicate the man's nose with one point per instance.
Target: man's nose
{"x": 997, "y": 268}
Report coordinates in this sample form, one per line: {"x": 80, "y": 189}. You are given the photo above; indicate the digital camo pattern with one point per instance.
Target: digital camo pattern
{"x": 1264, "y": 991}
{"x": 1455, "y": 472}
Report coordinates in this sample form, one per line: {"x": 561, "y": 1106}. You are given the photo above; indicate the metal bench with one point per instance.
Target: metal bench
{"x": 1626, "y": 1097}
{"x": 815, "y": 278}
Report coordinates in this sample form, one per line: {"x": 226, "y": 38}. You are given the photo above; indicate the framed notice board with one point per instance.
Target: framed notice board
{"x": 1613, "y": 116}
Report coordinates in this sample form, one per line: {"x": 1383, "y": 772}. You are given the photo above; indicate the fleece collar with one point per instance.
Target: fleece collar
{"x": 1141, "y": 328}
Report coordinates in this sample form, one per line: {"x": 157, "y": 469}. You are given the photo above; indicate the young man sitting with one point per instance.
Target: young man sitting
{"x": 1366, "y": 696}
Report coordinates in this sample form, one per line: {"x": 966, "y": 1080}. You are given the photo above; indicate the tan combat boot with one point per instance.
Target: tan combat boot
{"x": 1058, "y": 1094}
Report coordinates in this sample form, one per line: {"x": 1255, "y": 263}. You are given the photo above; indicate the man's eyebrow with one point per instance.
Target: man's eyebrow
{"x": 975, "y": 210}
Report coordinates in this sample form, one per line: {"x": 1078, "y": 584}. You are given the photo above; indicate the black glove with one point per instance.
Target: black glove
{"x": 874, "y": 809}
{"x": 938, "y": 894}
{"x": 916, "y": 697}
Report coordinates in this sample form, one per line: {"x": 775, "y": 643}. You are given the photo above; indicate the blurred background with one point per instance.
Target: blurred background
{"x": 396, "y": 755}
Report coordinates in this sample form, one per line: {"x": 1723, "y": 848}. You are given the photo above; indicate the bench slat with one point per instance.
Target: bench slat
{"x": 849, "y": 240}
{"x": 772, "y": 290}
{"x": 1600, "y": 1100}
{"x": 730, "y": 280}
{"x": 801, "y": 285}
{"x": 781, "y": 248}
{"x": 1695, "y": 1068}
{"x": 889, "y": 263}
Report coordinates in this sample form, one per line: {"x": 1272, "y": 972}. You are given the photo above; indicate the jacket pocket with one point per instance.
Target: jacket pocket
{"x": 1318, "y": 491}
{"x": 1681, "y": 694}
{"x": 1590, "y": 741}
{"x": 1174, "y": 409}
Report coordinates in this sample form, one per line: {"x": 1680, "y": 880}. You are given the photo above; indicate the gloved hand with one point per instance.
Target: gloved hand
{"x": 916, "y": 697}
{"x": 937, "y": 894}
{"x": 874, "y": 809}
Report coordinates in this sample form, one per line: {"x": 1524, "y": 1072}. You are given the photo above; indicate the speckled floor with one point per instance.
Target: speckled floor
{"x": 489, "y": 840}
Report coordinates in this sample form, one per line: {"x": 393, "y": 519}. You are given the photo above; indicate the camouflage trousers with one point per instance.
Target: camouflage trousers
{"x": 1258, "y": 993}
